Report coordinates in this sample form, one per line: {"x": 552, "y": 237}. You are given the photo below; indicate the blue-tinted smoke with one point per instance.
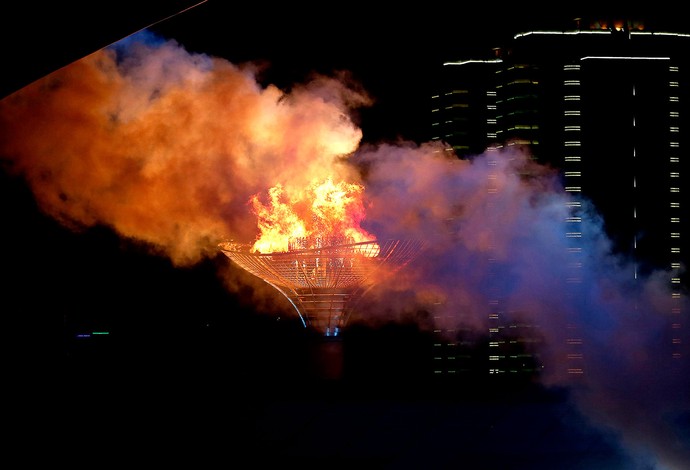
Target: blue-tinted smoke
{"x": 504, "y": 237}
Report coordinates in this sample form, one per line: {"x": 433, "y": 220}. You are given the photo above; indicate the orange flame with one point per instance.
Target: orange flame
{"x": 323, "y": 211}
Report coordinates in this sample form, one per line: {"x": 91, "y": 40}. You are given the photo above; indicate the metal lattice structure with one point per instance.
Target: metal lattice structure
{"x": 323, "y": 284}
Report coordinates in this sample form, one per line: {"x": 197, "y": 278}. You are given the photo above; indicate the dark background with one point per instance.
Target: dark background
{"x": 96, "y": 281}
{"x": 188, "y": 368}
{"x": 393, "y": 51}
{"x": 91, "y": 281}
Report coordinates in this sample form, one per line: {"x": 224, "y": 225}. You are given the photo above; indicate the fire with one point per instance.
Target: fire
{"x": 314, "y": 216}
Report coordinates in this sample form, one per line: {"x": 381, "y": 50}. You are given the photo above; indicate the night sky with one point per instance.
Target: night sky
{"x": 193, "y": 344}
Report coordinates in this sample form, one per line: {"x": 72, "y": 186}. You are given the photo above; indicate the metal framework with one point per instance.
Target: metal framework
{"x": 324, "y": 283}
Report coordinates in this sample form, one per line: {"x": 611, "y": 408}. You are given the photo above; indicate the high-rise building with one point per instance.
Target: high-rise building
{"x": 607, "y": 103}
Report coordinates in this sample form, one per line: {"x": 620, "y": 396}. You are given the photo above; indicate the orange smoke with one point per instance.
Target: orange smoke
{"x": 167, "y": 147}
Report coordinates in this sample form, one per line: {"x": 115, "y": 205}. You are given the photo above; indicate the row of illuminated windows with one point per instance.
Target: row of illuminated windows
{"x": 574, "y": 128}
{"x": 517, "y": 97}
{"x": 572, "y": 144}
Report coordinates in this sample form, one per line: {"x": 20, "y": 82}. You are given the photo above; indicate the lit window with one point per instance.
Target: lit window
{"x": 573, "y": 189}
{"x": 571, "y": 98}
{"x": 572, "y": 143}
{"x": 571, "y": 128}
{"x": 675, "y": 220}
{"x": 673, "y": 99}
{"x": 674, "y": 129}
{"x": 572, "y": 112}
{"x": 571, "y": 82}
{"x": 673, "y": 144}
{"x": 675, "y": 174}
{"x": 675, "y": 234}
{"x": 573, "y": 234}
{"x": 674, "y": 160}
{"x": 675, "y": 190}
{"x": 675, "y": 204}
{"x": 573, "y": 173}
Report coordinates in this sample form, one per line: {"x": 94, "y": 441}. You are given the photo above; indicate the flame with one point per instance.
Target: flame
{"x": 324, "y": 213}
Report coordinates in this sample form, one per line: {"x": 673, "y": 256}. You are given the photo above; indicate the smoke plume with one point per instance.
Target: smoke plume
{"x": 168, "y": 148}
{"x": 496, "y": 227}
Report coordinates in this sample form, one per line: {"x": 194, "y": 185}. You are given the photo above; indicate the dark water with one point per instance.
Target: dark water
{"x": 244, "y": 410}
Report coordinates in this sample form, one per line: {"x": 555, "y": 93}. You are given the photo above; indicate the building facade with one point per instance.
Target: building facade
{"x": 608, "y": 105}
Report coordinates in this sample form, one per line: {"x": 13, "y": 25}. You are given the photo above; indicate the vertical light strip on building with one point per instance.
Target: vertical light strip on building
{"x": 634, "y": 190}
{"x": 572, "y": 173}
{"x": 674, "y": 161}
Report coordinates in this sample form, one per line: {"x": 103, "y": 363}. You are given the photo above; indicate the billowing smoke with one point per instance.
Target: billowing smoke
{"x": 496, "y": 231}
{"x": 168, "y": 147}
